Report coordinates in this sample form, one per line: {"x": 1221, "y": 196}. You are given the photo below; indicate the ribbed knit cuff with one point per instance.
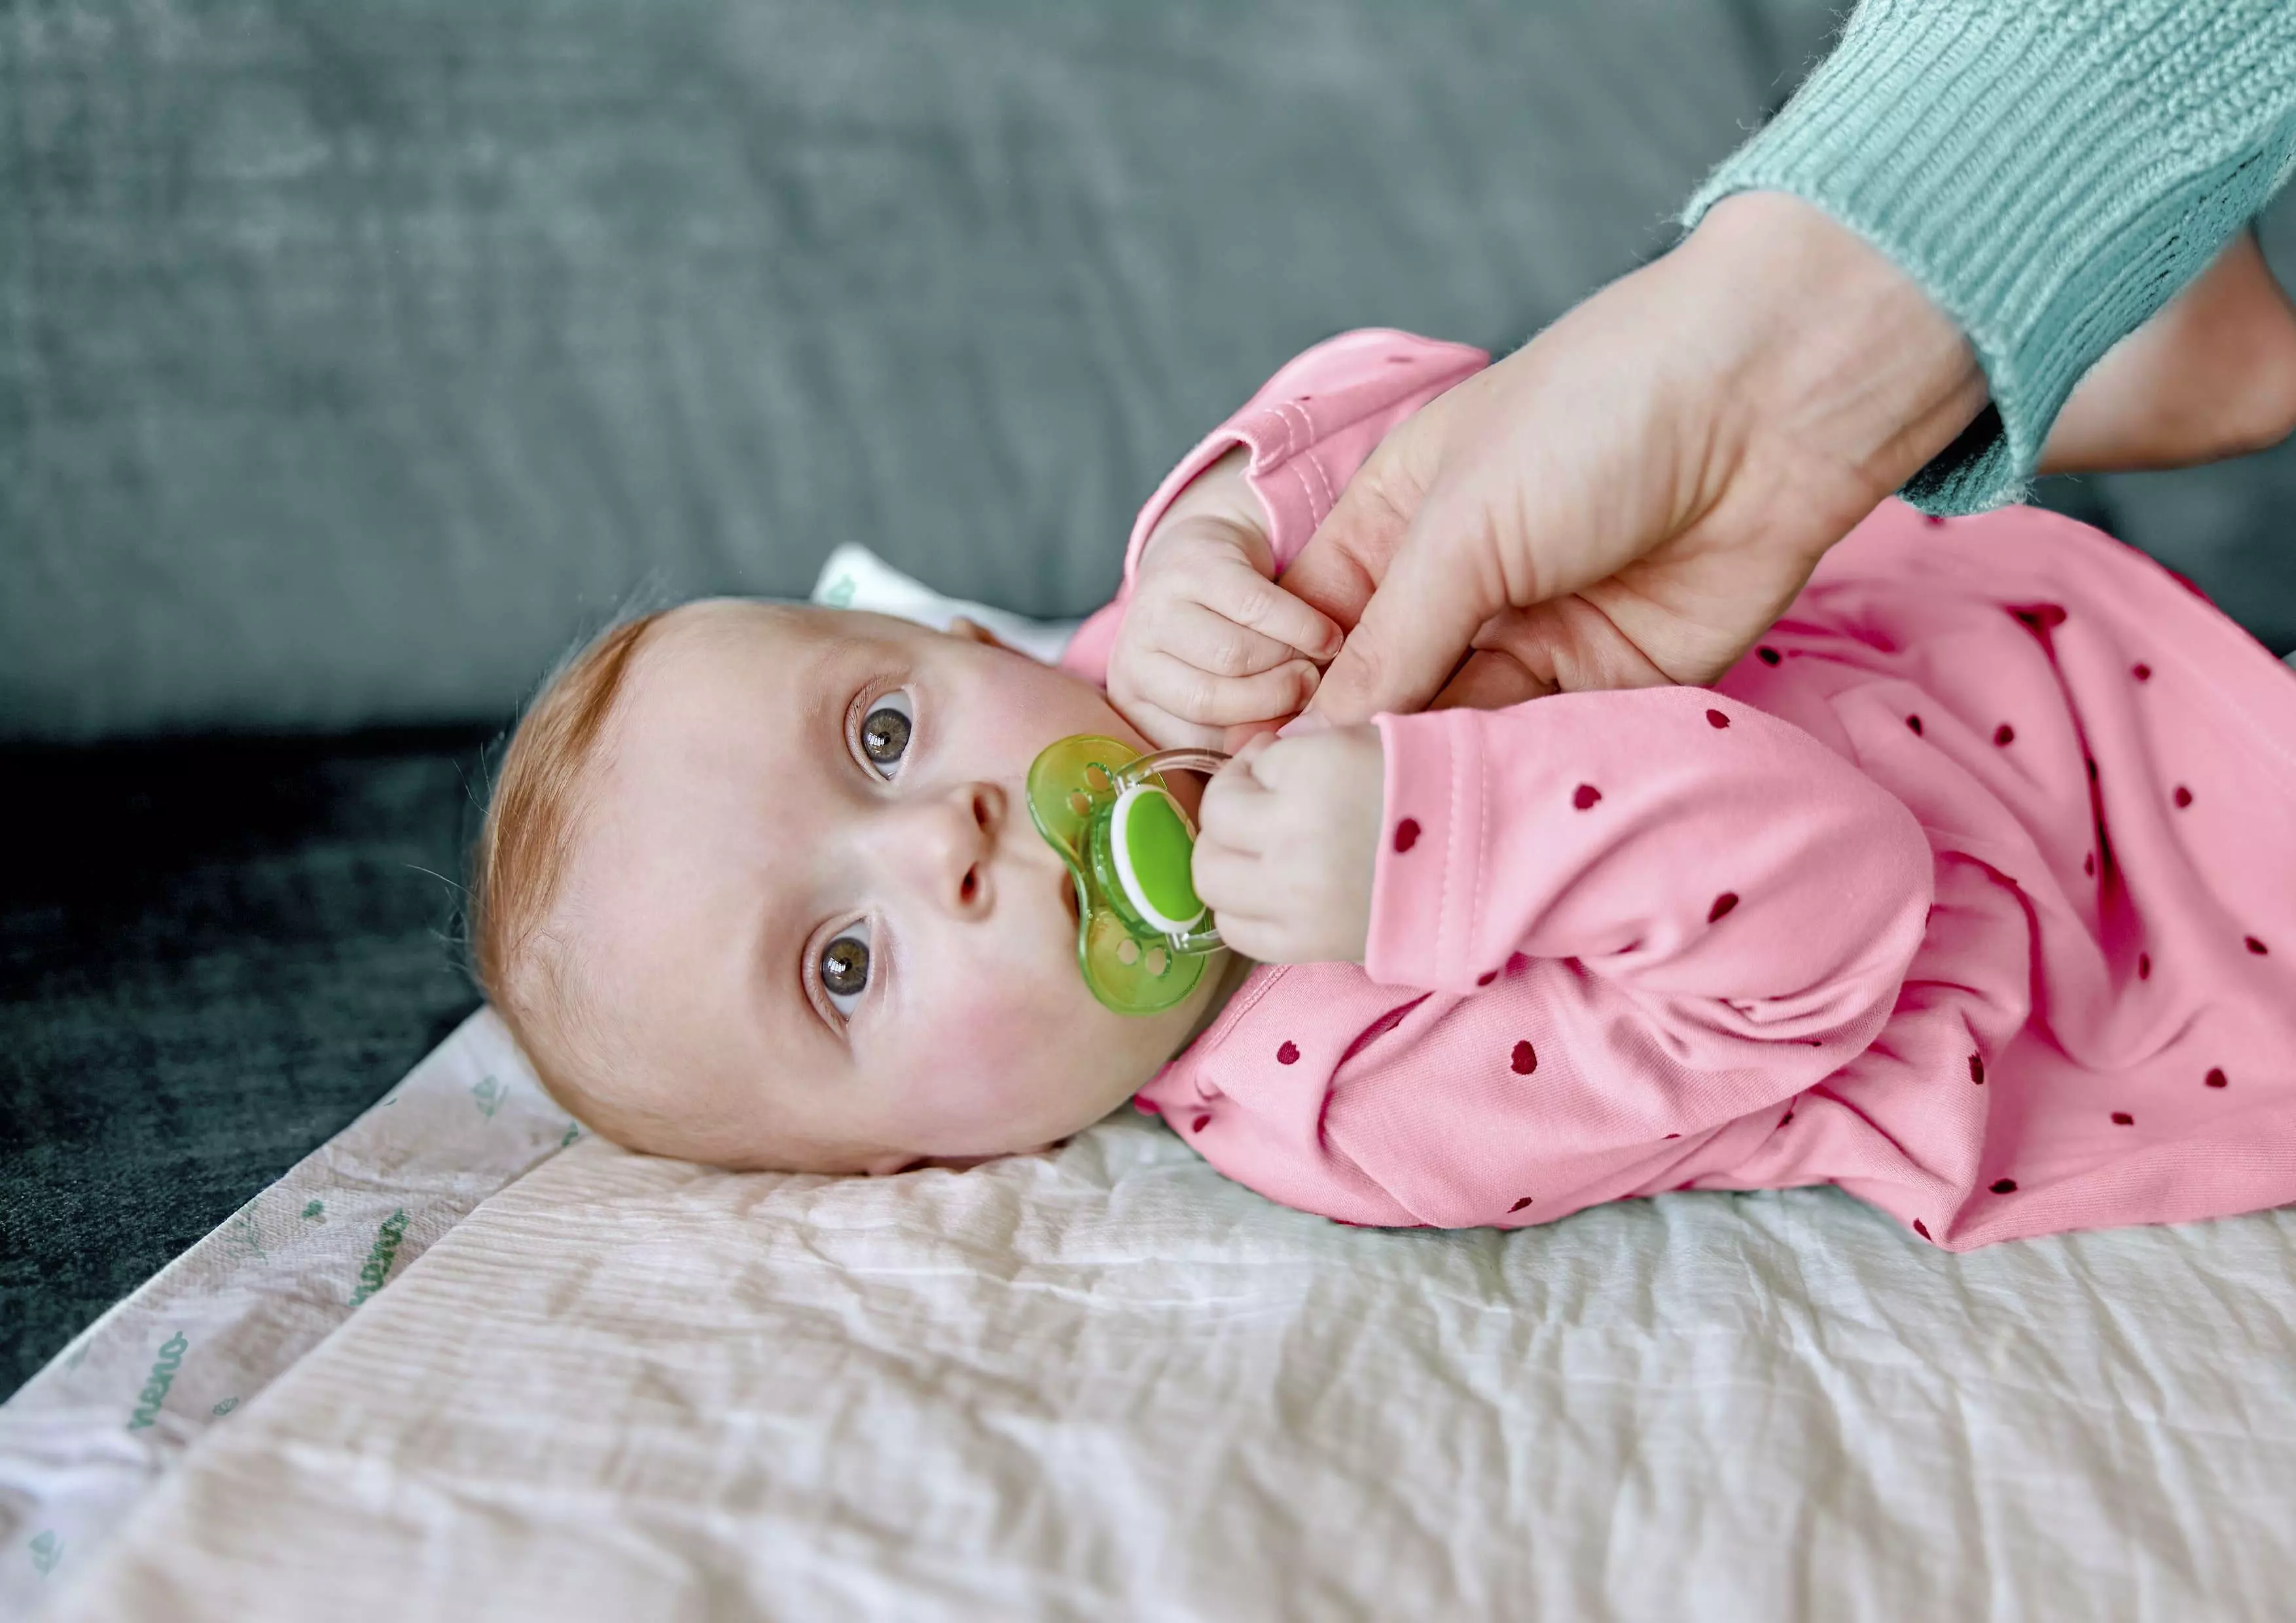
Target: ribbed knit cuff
{"x": 2050, "y": 171}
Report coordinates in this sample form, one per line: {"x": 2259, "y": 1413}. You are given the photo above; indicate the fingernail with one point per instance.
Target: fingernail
{"x": 1305, "y": 722}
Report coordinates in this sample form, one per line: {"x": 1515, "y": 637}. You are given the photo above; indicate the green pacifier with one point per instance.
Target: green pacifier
{"x": 1142, "y": 932}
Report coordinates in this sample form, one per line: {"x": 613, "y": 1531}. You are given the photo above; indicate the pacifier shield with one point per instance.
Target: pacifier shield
{"x": 1142, "y": 932}
{"x": 1152, "y": 845}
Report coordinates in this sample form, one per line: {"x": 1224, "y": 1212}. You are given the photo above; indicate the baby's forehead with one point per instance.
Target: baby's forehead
{"x": 728, "y": 639}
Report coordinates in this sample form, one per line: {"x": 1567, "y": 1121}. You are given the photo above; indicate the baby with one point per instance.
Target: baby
{"x": 1972, "y": 889}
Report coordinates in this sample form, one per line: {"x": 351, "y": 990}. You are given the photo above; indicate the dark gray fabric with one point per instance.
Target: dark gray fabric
{"x": 211, "y": 958}
{"x": 355, "y": 355}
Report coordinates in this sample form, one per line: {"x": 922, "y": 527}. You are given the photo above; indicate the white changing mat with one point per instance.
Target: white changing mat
{"x": 1108, "y": 1383}
{"x": 83, "y": 1440}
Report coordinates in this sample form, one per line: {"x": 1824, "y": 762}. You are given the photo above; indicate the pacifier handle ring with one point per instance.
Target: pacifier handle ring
{"x": 1185, "y": 758}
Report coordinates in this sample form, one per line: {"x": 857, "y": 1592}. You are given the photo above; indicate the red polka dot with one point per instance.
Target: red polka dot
{"x": 1524, "y": 1059}
{"x": 1516, "y": 964}
{"x": 2088, "y": 862}
{"x": 2216, "y": 1077}
{"x": 1715, "y": 718}
{"x": 2123, "y": 1119}
{"x": 1289, "y": 1054}
{"x": 1914, "y": 722}
{"x": 1200, "y": 1124}
{"x": 2255, "y": 946}
{"x": 2144, "y": 966}
{"x": 1766, "y": 655}
{"x": 1722, "y": 904}
{"x": 1977, "y": 1069}
{"x": 1406, "y": 833}
{"x": 2141, "y": 671}
{"x": 1147, "y": 1107}
{"x": 2004, "y": 734}
{"x": 1921, "y": 1228}
{"x": 2182, "y": 796}
{"x": 1486, "y": 978}
{"x": 2004, "y": 1186}
{"x": 1519, "y": 1205}
{"x": 1674, "y": 1135}
{"x": 1935, "y": 520}
{"x": 1584, "y": 796}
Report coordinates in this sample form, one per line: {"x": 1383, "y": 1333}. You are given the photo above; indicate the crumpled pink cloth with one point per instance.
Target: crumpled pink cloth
{"x": 1971, "y": 890}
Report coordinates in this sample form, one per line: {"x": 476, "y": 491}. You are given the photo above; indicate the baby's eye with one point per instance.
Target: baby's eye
{"x": 885, "y": 731}
{"x": 844, "y": 969}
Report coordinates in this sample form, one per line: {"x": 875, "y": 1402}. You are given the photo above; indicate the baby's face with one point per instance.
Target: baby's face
{"x": 809, "y": 909}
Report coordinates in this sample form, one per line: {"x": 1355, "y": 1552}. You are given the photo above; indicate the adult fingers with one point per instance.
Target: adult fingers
{"x": 1244, "y": 733}
{"x": 1438, "y": 590}
{"x": 1491, "y": 679}
{"x": 1210, "y": 700}
{"x": 1345, "y": 560}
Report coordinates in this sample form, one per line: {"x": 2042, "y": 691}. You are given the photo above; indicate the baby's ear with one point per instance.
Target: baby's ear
{"x": 973, "y": 631}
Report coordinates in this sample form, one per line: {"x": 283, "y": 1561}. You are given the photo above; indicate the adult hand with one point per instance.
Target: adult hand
{"x": 1632, "y": 498}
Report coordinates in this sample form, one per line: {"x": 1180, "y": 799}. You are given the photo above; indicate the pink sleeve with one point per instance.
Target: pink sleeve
{"x": 1308, "y": 428}
{"x": 1694, "y": 911}
{"x": 1721, "y": 866}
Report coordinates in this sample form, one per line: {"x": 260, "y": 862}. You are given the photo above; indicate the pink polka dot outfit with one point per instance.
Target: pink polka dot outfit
{"x": 1971, "y": 890}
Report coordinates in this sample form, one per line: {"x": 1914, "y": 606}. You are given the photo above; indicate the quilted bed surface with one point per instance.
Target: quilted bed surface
{"x": 1107, "y": 1384}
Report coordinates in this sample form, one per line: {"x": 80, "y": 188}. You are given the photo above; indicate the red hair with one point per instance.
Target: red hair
{"x": 524, "y": 843}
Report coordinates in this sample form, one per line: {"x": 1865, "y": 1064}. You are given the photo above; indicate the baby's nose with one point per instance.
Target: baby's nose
{"x": 953, "y": 842}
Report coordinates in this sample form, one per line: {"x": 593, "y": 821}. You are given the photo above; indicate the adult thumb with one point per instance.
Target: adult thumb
{"x": 1414, "y": 630}
{"x": 1342, "y": 566}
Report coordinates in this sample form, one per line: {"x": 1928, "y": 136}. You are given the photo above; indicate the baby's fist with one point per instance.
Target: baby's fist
{"x": 1288, "y": 845}
{"x": 1209, "y": 644}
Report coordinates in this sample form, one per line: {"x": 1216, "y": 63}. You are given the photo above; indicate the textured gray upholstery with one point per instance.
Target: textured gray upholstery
{"x": 354, "y": 357}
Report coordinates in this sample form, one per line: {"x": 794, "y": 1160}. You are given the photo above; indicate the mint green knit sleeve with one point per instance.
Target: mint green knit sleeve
{"x": 2051, "y": 171}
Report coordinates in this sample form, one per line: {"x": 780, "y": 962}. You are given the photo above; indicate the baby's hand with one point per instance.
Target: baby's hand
{"x": 1212, "y": 650}
{"x": 1288, "y": 844}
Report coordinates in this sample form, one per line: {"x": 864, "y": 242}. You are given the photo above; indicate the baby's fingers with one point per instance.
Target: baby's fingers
{"x": 1233, "y": 884}
{"x": 1169, "y": 732}
{"x": 1209, "y": 641}
{"x": 1207, "y": 699}
{"x": 1233, "y": 808}
{"x": 1244, "y": 595}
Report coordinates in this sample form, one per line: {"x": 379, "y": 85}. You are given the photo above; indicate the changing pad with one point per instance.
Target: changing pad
{"x": 1105, "y": 1382}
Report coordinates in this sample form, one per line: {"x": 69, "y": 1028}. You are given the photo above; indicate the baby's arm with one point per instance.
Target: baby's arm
{"x": 1662, "y": 916}
{"x": 1722, "y": 866}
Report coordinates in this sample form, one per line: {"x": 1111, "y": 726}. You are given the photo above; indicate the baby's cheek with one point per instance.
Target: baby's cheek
{"x": 999, "y": 1069}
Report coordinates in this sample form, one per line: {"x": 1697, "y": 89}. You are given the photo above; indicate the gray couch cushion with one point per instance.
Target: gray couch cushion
{"x": 353, "y": 358}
